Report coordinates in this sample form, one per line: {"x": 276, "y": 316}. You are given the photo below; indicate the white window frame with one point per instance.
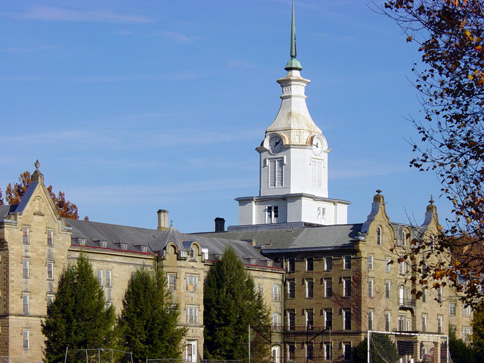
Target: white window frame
{"x": 347, "y": 351}
{"x": 26, "y": 235}
{"x": 401, "y": 323}
{"x": 192, "y": 283}
{"x": 171, "y": 279}
{"x": 347, "y": 286}
{"x": 388, "y": 289}
{"x": 440, "y": 324}
{"x": 26, "y": 268}
{"x": 424, "y": 323}
{"x": 327, "y": 351}
{"x": 192, "y": 314}
{"x": 100, "y": 279}
{"x": 109, "y": 278}
{"x": 379, "y": 235}
{"x": 328, "y": 263}
{"x": 327, "y": 313}
{"x": 347, "y": 262}
{"x": 452, "y": 309}
{"x": 191, "y": 351}
{"x": 291, "y": 288}
{"x": 328, "y": 287}
{"x": 26, "y": 304}
{"x": 388, "y": 321}
{"x": 276, "y": 172}
{"x": 26, "y": 339}
{"x": 371, "y": 288}
{"x": 371, "y": 260}
{"x": 276, "y": 320}
{"x": 276, "y": 293}
{"x": 50, "y": 237}
{"x": 50, "y": 270}
{"x": 309, "y": 313}
{"x": 370, "y": 319}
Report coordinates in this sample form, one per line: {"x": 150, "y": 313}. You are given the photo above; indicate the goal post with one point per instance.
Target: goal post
{"x": 407, "y": 347}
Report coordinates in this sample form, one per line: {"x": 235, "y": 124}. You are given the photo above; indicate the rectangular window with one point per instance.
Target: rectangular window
{"x": 439, "y": 294}
{"x": 50, "y": 299}
{"x": 388, "y": 289}
{"x": 388, "y": 319}
{"x": 452, "y": 309}
{"x": 403, "y": 268}
{"x": 370, "y": 320}
{"x": 26, "y": 268}
{"x": 291, "y": 319}
{"x": 370, "y": 263}
{"x": 100, "y": 277}
{"x": 26, "y": 304}
{"x": 439, "y": 324}
{"x": 50, "y": 237}
{"x": 309, "y": 351}
{"x": 276, "y": 293}
{"x": 347, "y": 351}
{"x": 191, "y": 351}
{"x": 309, "y": 264}
{"x": 328, "y": 287}
{"x": 317, "y": 166}
{"x": 347, "y": 262}
{"x": 328, "y": 318}
{"x": 346, "y": 286}
{"x": 371, "y": 292}
{"x": 327, "y": 351}
{"x": 291, "y": 265}
{"x": 108, "y": 278}
{"x": 309, "y": 319}
{"x": 171, "y": 281}
{"x": 192, "y": 314}
{"x": 192, "y": 283}
{"x": 424, "y": 295}
{"x": 291, "y": 289}
{"x": 328, "y": 263}
{"x": 50, "y": 270}
{"x": 276, "y": 174}
{"x": 276, "y": 212}
{"x": 347, "y": 319}
{"x": 25, "y": 339}
{"x": 26, "y": 235}
{"x": 424, "y": 323}
{"x": 309, "y": 288}
{"x": 291, "y": 351}
{"x": 388, "y": 264}
{"x": 466, "y": 332}
{"x": 466, "y": 311}
{"x": 401, "y": 323}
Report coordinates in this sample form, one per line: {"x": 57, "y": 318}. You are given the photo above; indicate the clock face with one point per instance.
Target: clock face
{"x": 275, "y": 143}
{"x": 317, "y": 146}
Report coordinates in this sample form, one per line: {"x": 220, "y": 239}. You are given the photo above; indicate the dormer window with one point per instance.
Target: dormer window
{"x": 124, "y": 246}
{"x": 379, "y": 235}
{"x": 103, "y": 244}
{"x": 82, "y": 241}
{"x": 144, "y": 248}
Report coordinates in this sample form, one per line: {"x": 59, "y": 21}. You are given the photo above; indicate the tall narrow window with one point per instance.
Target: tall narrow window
{"x": 388, "y": 289}
{"x": 26, "y": 268}
{"x": 192, "y": 314}
{"x": 328, "y": 263}
{"x": 25, "y": 339}
{"x": 309, "y": 288}
{"x": 347, "y": 351}
{"x": 309, "y": 264}
{"x": 370, "y": 320}
{"x": 346, "y": 286}
{"x": 291, "y": 265}
{"x": 291, "y": 351}
{"x": 327, "y": 351}
{"x": 276, "y": 293}
{"x": 50, "y": 270}
{"x": 171, "y": 281}
{"x": 370, "y": 262}
{"x": 379, "y": 235}
{"x": 347, "y": 319}
{"x": 310, "y": 351}
{"x": 26, "y": 304}
{"x": 192, "y": 283}
{"x": 291, "y": 319}
{"x": 328, "y": 287}
{"x": 347, "y": 262}
{"x": 328, "y": 319}
{"x": 388, "y": 264}
{"x": 26, "y": 235}
{"x": 276, "y": 320}
{"x": 100, "y": 277}
{"x": 439, "y": 324}
{"x": 108, "y": 278}
{"x": 424, "y": 323}
{"x": 452, "y": 309}
{"x": 401, "y": 323}
{"x": 291, "y": 289}
{"x": 50, "y": 237}
{"x": 371, "y": 292}
{"x": 309, "y": 319}
{"x": 276, "y": 173}
{"x": 388, "y": 319}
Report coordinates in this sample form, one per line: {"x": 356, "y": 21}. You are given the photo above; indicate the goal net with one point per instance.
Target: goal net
{"x": 399, "y": 347}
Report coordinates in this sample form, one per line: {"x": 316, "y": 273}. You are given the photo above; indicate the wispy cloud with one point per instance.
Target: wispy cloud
{"x": 50, "y": 13}
{"x": 240, "y": 64}
{"x": 167, "y": 34}
{"x": 177, "y": 37}
{"x": 362, "y": 169}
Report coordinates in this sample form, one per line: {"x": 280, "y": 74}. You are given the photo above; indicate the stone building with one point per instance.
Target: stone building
{"x": 36, "y": 244}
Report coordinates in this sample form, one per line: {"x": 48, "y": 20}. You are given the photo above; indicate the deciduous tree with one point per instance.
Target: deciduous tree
{"x": 78, "y": 318}
{"x": 15, "y": 192}
{"x": 148, "y": 323}
{"x": 231, "y": 305}
{"x": 450, "y": 82}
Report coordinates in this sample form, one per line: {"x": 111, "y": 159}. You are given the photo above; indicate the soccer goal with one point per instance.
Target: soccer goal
{"x": 400, "y": 347}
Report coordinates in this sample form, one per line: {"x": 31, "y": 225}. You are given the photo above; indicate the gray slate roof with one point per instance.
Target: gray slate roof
{"x": 7, "y": 209}
{"x": 323, "y": 237}
{"x": 155, "y": 240}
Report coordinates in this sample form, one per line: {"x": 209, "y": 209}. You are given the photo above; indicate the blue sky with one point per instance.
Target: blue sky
{"x": 133, "y": 106}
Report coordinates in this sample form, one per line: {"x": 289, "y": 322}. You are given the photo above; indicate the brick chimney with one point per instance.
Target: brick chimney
{"x": 219, "y": 224}
{"x": 162, "y": 219}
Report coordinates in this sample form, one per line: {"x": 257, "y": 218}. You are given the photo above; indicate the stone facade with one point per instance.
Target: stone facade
{"x": 36, "y": 245}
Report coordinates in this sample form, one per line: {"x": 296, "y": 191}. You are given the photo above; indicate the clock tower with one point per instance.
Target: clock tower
{"x": 293, "y": 179}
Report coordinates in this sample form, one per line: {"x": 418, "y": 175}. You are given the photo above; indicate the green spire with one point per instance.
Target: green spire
{"x": 293, "y": 63}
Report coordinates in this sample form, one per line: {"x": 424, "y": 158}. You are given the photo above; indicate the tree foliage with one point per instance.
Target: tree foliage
{"x": 450, "y": 82}
{"x": 382, "y": 349}
{"x": 460, "y": 352}
{"x": 78, "y": 318}
{"x": 231, "y": 305}
{"x": 148, "y": 323}
{"x": 15, "y": 192}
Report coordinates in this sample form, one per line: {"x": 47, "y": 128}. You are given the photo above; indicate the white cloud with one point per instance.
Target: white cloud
{"x": 50, "y": 13}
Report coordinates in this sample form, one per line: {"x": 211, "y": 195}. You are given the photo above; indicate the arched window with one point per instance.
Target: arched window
{"x": 379, "y": 235}
{"x": 276, "y": 320}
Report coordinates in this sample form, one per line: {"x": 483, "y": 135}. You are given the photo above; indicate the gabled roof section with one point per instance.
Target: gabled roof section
{"x": 26, "y": 197}
{"x": 5, "y": 210}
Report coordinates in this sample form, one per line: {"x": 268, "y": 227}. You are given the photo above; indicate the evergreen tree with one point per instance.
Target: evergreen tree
{"x": 478, "y": 332}
{"x": 78, "y": 317}
{"x": 148, "y": 324}
{"x": 460, "y": 352}
{"x": 231, "y": 305}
